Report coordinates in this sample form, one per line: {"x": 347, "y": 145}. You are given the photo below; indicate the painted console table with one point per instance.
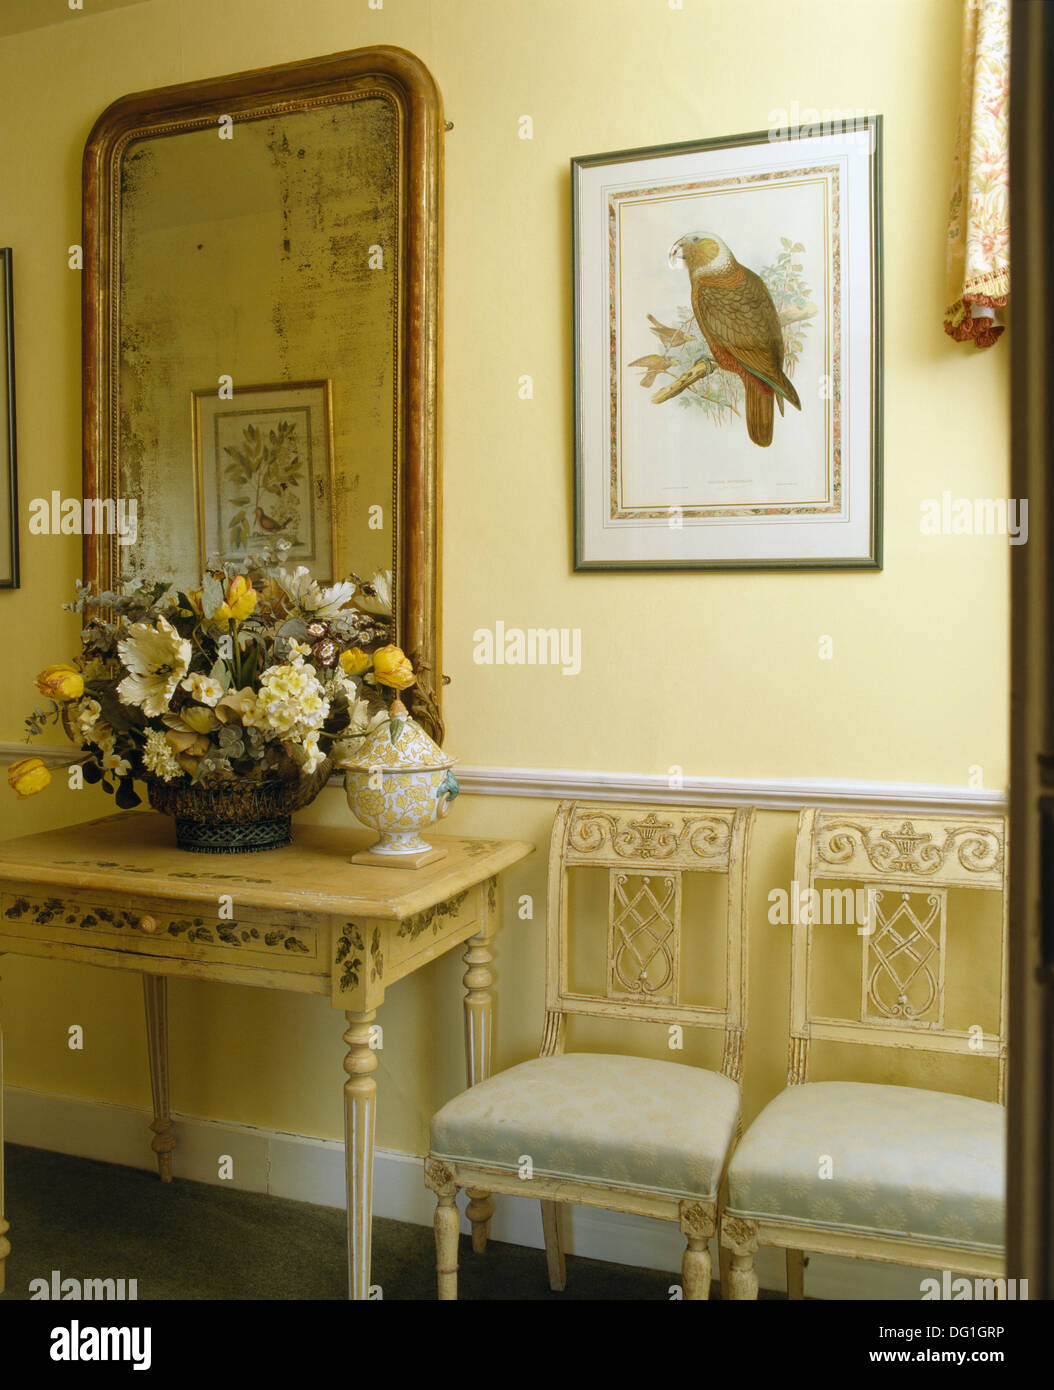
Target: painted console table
{"x": 117, "y": 893}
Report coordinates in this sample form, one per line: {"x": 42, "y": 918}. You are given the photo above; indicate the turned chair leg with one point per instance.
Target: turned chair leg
{"x": 740, "y": 1236}
{"x": 696, "y": 1268}
{"x": 795, "y": 1274}
{"x": 743, "y": 1277}
{"x": 724, "y": 1264}
{"x": 447, "y": 1226}
{"x": 479, "y": 1211}
{"x": 553, "y": 1231}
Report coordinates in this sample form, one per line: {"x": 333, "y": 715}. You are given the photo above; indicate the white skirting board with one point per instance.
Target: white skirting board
{"x": 312, "y": 1170}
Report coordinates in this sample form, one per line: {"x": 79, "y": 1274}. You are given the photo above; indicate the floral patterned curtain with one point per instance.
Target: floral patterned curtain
{"x": 979, "y": 222}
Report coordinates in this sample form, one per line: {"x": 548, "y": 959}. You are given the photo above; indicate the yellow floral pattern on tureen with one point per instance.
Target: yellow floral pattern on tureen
{"x": 412, "y": 749}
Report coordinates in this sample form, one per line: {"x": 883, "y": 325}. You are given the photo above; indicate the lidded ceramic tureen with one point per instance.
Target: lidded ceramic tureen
{"x": 399, "y": 783}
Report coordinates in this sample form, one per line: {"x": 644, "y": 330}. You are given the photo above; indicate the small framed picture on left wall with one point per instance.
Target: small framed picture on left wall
{"x": 8, "y": 469}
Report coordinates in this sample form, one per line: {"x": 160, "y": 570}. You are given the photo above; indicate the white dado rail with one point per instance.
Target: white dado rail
{"x": 766, "y": 793}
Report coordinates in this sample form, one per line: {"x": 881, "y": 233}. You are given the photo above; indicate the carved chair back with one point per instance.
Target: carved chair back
{"x": 648, "y": 851}
{"x": 906, "y": 869}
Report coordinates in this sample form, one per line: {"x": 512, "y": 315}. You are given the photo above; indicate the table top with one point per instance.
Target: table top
{"x": 137, "y": 851}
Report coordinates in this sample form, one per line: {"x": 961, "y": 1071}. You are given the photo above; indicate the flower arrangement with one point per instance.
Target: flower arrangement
{"x": 258, "y": 676}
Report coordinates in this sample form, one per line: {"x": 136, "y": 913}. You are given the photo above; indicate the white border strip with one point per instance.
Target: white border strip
{"x": 766, "y": 793}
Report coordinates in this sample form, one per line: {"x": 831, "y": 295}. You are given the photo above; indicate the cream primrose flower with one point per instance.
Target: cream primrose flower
{"x": 159, "y": 758}
{"x": 202, "y": 688}
{"x": 157, "y": 659}
{"x": 289, "y": 703}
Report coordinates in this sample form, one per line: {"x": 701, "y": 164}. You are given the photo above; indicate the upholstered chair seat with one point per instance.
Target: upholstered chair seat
{"x": 627, "y": 1122}
{"x": 906, "y": 1163}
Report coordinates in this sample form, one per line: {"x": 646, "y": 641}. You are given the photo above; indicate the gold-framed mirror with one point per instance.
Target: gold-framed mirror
{"x": 262, "y": 257}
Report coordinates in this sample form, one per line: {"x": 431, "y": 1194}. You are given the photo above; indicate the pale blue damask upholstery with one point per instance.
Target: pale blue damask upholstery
{"x": 906, "y": 1162}
{"x": 660, "y": 1126}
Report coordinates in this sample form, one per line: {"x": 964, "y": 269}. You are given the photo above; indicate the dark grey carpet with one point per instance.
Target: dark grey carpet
{"x": 190, "y": 1240}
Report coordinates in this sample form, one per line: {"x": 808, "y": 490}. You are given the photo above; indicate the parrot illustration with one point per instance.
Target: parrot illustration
{"x": 738, "y": 319}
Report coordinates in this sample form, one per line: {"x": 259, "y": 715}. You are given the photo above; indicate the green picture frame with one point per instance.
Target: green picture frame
{"x": 9, "y": 558}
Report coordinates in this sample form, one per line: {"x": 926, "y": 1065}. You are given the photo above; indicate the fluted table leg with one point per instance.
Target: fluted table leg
{"x": 360, "y": 1106}
{"x": 155, "y": 997}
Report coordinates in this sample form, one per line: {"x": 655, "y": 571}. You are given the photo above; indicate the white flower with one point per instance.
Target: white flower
{"x": 157, "y": 659}
{"x": 159, "y": 758}
{"x": 113, "y": 762}
{"x": 360, "y": 721}
{"x": 299, "y": 588}
{"x": 335, "y": 598}
{"x": 203, "y": 688}
{"x": 306, "y": 594}
{"x": 381, "y": 602}
{"x": 315, "y": 757}
{"x": 87, "y": 716}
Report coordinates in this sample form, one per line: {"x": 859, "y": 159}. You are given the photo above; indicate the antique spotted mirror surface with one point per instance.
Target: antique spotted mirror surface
{"x": 261, "y": 329}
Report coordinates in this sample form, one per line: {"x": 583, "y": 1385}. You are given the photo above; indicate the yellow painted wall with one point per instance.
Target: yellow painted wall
{"x": 718, "y": 673}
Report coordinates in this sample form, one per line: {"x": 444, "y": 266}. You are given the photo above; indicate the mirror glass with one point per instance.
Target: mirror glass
{"x": 257, "y": 341}
{"x": 261, "y": 332}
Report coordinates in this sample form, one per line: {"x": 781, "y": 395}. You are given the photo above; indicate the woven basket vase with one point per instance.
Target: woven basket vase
{"x": 235, "y": 817}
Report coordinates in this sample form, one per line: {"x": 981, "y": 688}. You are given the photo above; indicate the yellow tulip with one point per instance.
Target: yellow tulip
{"x": 28, "y": 777}
{"x": 240, "y": 601}
{"x": 354, "y": 661}
{"x": 391, "y": 667}
{"x": 61, "y": 682}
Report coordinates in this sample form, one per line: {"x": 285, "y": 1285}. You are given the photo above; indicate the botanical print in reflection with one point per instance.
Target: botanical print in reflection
{"x": 265, "y": 472}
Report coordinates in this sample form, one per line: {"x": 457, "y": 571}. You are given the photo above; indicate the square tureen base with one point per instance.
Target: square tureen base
{"x": 416, "y": 859}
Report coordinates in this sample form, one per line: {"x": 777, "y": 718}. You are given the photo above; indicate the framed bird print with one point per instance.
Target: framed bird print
{"x": 728, "y": 347}
{"x": 263, "y": 471}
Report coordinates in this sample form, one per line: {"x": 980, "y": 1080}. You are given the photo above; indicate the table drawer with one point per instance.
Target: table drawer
{"x": 284, "y": 941}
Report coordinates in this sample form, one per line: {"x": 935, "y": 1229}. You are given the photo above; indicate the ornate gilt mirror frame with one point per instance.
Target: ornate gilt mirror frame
{"x": 399, "y": 82}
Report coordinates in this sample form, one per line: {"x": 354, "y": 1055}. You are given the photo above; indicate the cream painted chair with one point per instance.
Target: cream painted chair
{"x": 620, "y": 1132}
{"x": 882, "y": 1172}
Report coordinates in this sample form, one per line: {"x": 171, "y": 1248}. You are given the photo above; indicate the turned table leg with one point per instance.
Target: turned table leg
{"x": 479, "y": 1041}
{"x": 5, "y": 1244}
{"x": 360, "y": 1105}
{"x": 155, "y": 997}
{"x": 479, "y": 1002}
